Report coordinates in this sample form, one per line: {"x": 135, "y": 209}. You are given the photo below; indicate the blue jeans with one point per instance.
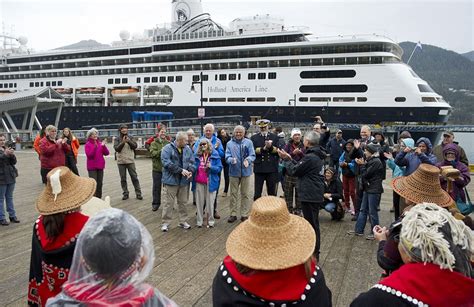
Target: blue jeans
{"x": 369, "y": 205}
{"x": 330, "y": 207}
{"x": 6, "y": 193}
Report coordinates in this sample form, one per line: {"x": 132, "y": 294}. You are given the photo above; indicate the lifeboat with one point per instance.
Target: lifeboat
{"x": 63, "y": 90}
{"x": 90, "y": 93}
{"x": 125, "y": 93}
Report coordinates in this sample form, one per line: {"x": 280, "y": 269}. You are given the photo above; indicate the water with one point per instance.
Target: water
{"x": 466, "y": 140}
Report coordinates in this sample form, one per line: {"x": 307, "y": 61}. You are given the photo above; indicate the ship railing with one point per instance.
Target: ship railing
{"x": 350, "y": 36}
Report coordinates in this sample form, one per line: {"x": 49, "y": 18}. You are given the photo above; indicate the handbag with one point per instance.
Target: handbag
{"x": 465, "y": 207}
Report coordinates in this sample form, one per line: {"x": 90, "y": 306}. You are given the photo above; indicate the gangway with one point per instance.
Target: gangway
{"x": 27, "y": 103}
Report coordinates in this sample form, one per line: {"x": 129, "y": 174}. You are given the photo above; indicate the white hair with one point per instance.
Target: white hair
{"x": 239, "y": 128}
{"x": 92, "y": 131}
{"x": 49, "y": 128}
{"x": 365, "y": 127}
{"x": 181, "y": 135}
{"x": 190, "y": 131}
{"x": 312, "y": 137}
{"x": 209, "y": 146}
{"x": 209, "y": 126}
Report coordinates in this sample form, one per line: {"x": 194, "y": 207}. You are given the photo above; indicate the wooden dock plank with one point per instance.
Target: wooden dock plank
{"x": 185, "y": 261}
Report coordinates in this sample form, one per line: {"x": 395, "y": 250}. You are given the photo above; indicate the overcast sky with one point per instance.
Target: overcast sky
{"x": 53, "y": 23}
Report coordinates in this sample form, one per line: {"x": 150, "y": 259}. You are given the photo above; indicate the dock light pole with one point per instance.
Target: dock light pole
{"x": 201, "y": 111}
{"x": 294, "y": 109}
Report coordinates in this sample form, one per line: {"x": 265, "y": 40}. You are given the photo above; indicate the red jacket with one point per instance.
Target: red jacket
{"x": 52, "y": 154}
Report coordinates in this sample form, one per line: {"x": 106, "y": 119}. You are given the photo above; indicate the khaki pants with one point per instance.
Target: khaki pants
{"x": 245, "y": 195}
{"x": 172, "y": 194}
{"x": 203, "y": 196}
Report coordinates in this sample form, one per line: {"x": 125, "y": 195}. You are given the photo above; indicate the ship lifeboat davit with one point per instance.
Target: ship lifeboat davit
{"x": 125, "y": 93}
{"x": 90, "y": 93}
{"x": 67, "y": 91}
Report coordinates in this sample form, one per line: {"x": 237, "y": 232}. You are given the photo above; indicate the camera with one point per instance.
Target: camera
{"x": 10, "y": 145}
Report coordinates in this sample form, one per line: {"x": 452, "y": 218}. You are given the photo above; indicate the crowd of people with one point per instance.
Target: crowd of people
{"x": 273, "y": 254}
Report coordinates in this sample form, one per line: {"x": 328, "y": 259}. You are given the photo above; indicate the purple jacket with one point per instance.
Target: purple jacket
{"x": 95, "y": 155}
{"x": 460, "y": 183}
{"x": 290, "y": 147}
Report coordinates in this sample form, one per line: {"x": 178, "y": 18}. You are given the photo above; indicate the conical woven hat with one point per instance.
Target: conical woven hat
{"x": 423, "y": 186}
{"x": 75, "y": 191}
{"x": 272, "y": 238}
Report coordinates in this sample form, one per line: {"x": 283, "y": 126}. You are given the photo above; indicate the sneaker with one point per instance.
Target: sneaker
{"x": 231, "y": 219}
{"x": 139, "y": 197}
{"x": 243, "y": 218}
{"x": 14, "y": 220}
{"x": 154, "y": 207}
{"x": 4, "y": 223}
{"x": 165, "y": 227}
{"x": 184, "y": 225}
{"x": 199, "y": 226}
{"x": 370, "y": 237}
{"x": 125, "y": 197}
{"x": 216, "y": 215}
{"x": 352, "y": 233}
{"x": 210, "y": 226}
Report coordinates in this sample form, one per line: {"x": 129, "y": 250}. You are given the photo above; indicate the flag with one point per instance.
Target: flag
{"x": 418, "y": 45}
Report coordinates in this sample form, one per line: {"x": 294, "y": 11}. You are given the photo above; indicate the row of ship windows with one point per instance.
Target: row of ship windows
{"x": 267, "y": 52}
{"x": 334, "y": 99}
{"x": 273, "y": 99}
{"x": 362, "y": 99}
{"x": 212, "y": 66}
{"x": 240, "y": 99}
{"x": 147, "y": 79}
{"x": 7, "y": 85}
{"x": 48, "y": 83}
{"x": 137, "y": 61}
{"x": 309, "y": 99}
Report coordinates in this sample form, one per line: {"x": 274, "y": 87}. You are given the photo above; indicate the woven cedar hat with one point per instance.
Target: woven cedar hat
{"x": 72, "y": 192}
{"x": 272, "y": 238}
{"x": 423, "y": 186}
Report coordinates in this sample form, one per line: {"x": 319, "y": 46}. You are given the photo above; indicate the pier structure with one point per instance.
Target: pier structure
{"x": 185, "y": 261}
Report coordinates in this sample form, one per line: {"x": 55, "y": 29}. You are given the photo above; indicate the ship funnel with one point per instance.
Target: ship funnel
{"x": 184, "y": 10}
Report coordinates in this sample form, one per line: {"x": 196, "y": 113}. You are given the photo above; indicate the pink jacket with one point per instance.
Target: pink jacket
{"x": 95, "y": 153}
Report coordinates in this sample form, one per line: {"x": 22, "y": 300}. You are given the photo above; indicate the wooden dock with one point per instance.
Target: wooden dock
{"x": 186, "y": 261}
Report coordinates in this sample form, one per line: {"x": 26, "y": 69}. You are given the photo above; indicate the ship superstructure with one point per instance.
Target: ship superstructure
{"x": 254, "y": 67}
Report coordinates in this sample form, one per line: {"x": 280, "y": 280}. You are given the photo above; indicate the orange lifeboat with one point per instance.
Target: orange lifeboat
{"x": 64, "y": 90}
{"x": 125, "y": 93}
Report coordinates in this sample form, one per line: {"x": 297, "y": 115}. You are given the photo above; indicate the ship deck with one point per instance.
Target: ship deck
{"x": 186, "y": 261}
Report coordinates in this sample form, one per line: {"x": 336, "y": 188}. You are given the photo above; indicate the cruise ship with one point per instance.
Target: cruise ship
{"x": 255, "y": 67}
